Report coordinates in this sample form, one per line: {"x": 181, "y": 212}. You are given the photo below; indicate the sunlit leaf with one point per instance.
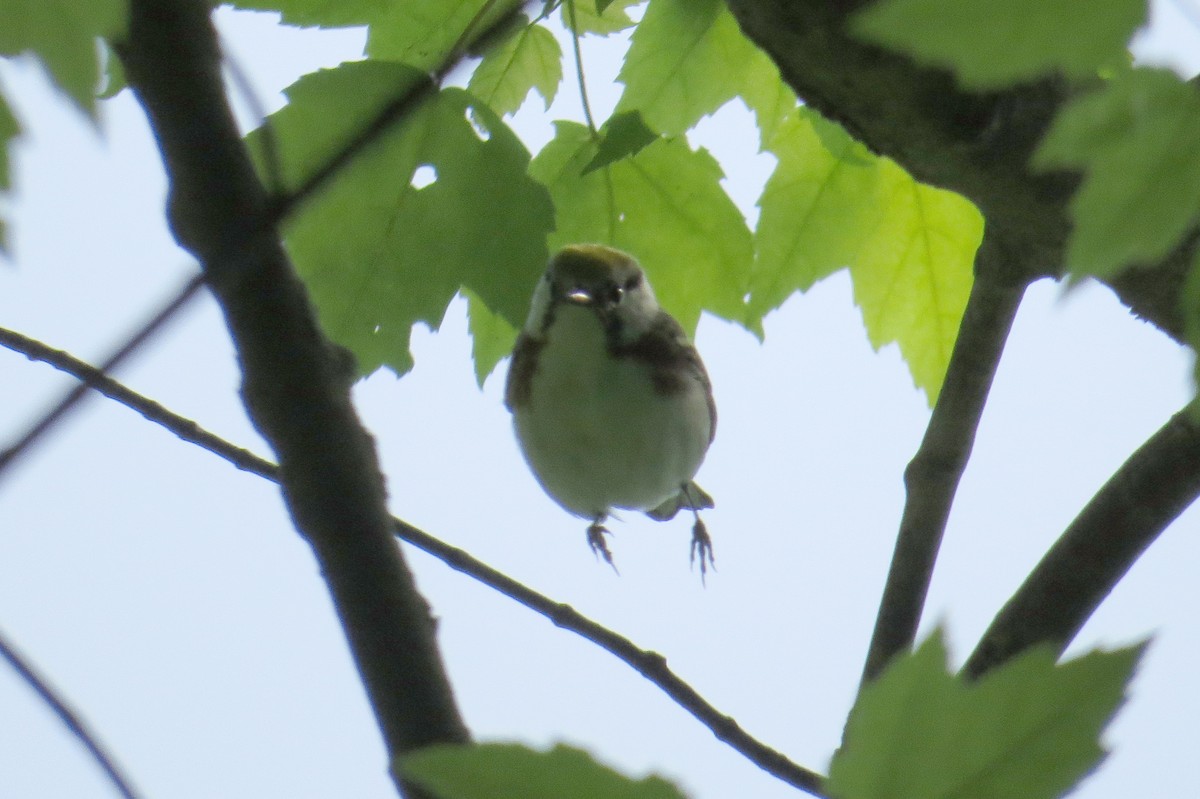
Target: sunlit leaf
{"x": 598, "y": 16}
{"x": 817, "y": 208}
{"x": 913, "y": 273}
{"x": 529, "y": 59}
{"x": 687, "y": 59}
{"x": 831, "y": 204}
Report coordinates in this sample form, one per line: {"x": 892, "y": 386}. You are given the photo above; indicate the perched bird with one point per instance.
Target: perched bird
{"x": 611, "y": 404}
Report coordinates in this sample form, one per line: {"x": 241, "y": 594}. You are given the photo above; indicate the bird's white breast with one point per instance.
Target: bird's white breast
{"x": 594, "y": 430}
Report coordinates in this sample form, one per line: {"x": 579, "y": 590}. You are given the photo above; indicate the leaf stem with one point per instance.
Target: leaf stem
{"x": 580, "y": 78}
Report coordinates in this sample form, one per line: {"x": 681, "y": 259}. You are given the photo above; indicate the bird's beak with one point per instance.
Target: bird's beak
{"x": 579, "y": 296}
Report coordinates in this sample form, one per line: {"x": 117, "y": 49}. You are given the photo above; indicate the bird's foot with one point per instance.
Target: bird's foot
{"x": 595, "y": 538}
{"x": 702, "y": 547}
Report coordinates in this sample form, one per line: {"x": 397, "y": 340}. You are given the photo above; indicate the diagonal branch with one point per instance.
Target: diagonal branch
{"x": 68, "y": 717}
{"x": 932, "y": 476}
{"x": 72, "y": 397}
{"x": 650, "y": 665}
{"x": 296, "y": 384}
{"x": 1138, "y": 502}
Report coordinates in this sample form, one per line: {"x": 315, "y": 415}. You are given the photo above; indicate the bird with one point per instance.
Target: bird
{"x": 611, "y": 404}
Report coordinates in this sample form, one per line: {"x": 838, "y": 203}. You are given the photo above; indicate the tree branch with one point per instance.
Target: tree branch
{"x": 72, "y": 397}
{"x": 932, "y": 476}
{"x": 296, "y": 384}
{"x": 68, "y": 717}
{"x": 651, "y": 665}
{"x": 1138, "y": 502}
{"x": 977, "y": 144}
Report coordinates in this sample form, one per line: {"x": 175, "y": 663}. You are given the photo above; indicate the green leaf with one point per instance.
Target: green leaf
{"x": 991, "y": 45}
{"x": 771, "y": 100}
{"x": 422, "y": 33}
{"x": 492, "y": 336}
{"x": 379, "y": 254}
{"x": 511, "y": 771}
{"x": 910, "y": 248}
{"x": 1190, "y": 304}
{"x": 322, "y": 13}
{"x": 62, "y": 34}
{"x": 1026, "y": 731}
{"x": 9, "y": 128}
{"x": 623, "y": 135}
{"x": 687, "y": 58}
{"x": 531, "y": 59}
{"x": 598, "y": 16}
{"x": 817, "y": 209}
{"x": 1138, "y": 141}
{"x": 913, "y": 273}
{"x": 664, "y": 205}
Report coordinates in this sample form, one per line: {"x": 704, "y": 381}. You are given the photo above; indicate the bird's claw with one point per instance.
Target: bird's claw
{"x": 595, "y": 538}
{"x": 703, "y": 548}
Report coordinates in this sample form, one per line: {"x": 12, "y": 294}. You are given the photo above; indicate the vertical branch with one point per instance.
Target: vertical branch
{"x": 932, "y": 476}
{"x": 296, "y": 384}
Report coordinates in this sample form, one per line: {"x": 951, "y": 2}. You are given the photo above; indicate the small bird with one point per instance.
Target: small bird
{"x": 611, "y": 403}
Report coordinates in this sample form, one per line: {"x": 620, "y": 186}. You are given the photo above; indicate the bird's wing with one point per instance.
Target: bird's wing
{"x": 665, "y": 348}
{"x": 520, "y": 371}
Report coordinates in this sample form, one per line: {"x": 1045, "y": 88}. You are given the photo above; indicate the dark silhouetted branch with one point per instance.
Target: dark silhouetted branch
{"x": 933, "y": 475}
{"x": 1158, "y": 482}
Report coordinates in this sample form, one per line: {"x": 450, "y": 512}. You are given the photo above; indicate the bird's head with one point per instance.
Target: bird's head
{"x": 605, "y": 281}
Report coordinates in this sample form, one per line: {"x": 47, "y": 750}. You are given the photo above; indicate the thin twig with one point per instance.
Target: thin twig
{"x": 93, "y": 378}
{"x": 579, "y": 76}
{"x": 932, "y": 476}
{"x": 39, "y": 428}
{"x": 651, "y": 665}
{"x": 69, "y": 718}
{"x": 1139, "y": 501}
{"x": 272, "y": 163}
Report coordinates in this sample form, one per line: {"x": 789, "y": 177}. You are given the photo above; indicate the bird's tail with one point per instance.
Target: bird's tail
{"x": 690, "y": 497}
